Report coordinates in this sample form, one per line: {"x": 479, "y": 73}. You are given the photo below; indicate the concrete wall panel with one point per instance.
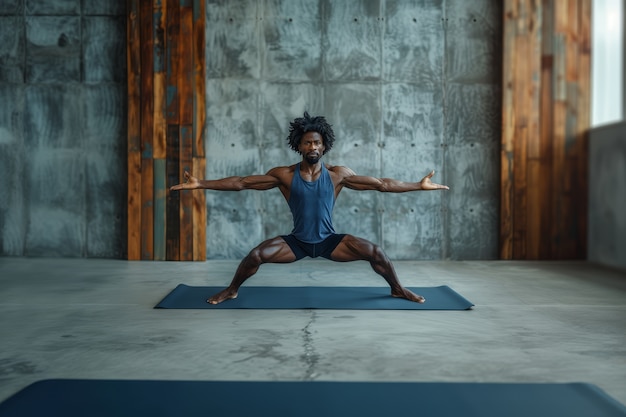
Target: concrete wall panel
{"x": 293, "y": 48}
{"x": 53, "y": 116}
{"x": 607, "y": 196}
{"x": 104, "y": 123}
{"x": 472, "y": 206}
{"x": 56, "y": 225}
{"x": 232, "y": 43}
{"x": 62, "y": 142}
{"x": 53, "y": 49}
{"x": 474, "y": 41}
{"x": 56, "y": 7}
{"x": 12, "y": 209}
{"x": 234, "y": 224}
{"x": 414, "y": 43}
{"x": 104, "y": 8}
{"x": 10, "y": 7}
{"x": 413, "y": 225}
{"x": 104, "y": 56}
{"x": 359, "y": 213}
{"x": 11, "y": 49}
{"x": 353, "y": 41}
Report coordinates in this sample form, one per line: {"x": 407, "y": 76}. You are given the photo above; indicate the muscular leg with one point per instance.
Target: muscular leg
{"x": 273, "y": 250}
{"x": 353, "y": 248}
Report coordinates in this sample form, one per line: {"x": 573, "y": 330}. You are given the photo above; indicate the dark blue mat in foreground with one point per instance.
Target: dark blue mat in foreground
{"x": 80, "y": 398}
{"x": 339, "y": 298}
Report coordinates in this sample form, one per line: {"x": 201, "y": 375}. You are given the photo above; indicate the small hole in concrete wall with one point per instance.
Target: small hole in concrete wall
{"x": 356, "y": 145}
{"x": 356, "y": 210}
{"x": 232, "y": 145}
{"x": 356, "y": 20}
{"x": 412, "y": 145}
{"x": 412, "y": 210}
{"x": 415, "y": 20}
{"x": 471, "y": 210}
{"x": 63, "y": 41}
{"x": 471, "y": 145}
{"x": 290, "y": 19}
{"x": 230, "y": 20}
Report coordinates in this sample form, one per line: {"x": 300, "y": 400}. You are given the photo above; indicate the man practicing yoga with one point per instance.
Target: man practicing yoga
{"x": 311, "y": 188}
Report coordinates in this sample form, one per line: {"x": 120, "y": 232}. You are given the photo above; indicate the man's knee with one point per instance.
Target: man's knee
{"x": 378, "y": 254}
{"x": 254, "y": 258}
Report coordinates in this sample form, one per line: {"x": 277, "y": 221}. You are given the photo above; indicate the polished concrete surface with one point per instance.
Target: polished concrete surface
{"x": 94, "y": 318}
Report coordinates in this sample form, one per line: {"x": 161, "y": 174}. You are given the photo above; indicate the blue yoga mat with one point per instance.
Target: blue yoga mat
{"x": 339, "y": 298}
{"x": 119, "y": 398}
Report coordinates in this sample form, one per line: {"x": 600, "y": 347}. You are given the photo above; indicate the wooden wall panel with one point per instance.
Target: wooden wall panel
{"x": 165, "y": 128}
{"x": 545, "y": 115}
{"x": 133, "y": 58}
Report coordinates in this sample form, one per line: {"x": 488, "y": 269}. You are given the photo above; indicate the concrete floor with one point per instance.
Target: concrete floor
{"x": 93, "y": 318}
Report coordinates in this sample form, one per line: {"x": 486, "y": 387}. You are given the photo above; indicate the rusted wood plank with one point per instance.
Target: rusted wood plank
{"x": 147, "y": 107}
{"x": 172, "y": 62}
{"x": 199, "y": 213}
{"x": 522, "y": 103}
{"x": 186, "y": 197}
{"x": 160, "y": 194}
{"x": 186, "y": 74}
{"x": 159, "y": 92}
{"x": 584, "y": 122}
{"x": 558, "y": 173}
{"x": 572, "y": 38}
{"x": 133, "y": 59}
{"x": 508, "y": 130}
{"x": 173, "y": 198}
{"x": 147, "y": 209}
{"x": 534, "y": 225}
{"x": 199, "y": 89}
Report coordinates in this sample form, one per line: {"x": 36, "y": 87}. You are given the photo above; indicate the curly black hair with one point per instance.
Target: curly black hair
{"x": 301, "y": 125}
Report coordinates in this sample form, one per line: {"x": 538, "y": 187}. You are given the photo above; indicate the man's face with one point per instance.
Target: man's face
{"x": 311, "y": 147}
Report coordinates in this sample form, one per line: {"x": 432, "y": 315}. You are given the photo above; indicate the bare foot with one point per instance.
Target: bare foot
{"x": 409, "y": 295}
{"x": 226, "y": 294}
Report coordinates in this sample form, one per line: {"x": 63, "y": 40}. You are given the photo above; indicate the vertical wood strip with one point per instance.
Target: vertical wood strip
{"x": 133, "y": 58}
{"x": 199, "y": 213}
{"x": 186, "y": 197}
{"x": 508, "y": 128}
{"x": 160, "y": 224}
{"x": 147, "y": 109}
{"x": 173, "y": 199}
{"x": 199, "y": 217}
{"x": 186, "y": 75}
{"x": 159, "y": 128}
{"x": 545, "y": 115}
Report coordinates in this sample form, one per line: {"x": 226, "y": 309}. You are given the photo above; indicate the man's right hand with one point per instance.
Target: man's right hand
{"x": 191, "y": 183}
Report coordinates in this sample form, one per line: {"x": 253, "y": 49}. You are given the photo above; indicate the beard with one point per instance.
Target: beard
{"x": 312, "y": 159}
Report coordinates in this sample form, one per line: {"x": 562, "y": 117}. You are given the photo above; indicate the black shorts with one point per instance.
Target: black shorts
{"x": 323, "y": 248}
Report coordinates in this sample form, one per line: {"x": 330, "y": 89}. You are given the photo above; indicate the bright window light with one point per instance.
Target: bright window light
{"x": 607, "y": 62}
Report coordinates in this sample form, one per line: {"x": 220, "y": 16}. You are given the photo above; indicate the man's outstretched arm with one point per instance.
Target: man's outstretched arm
{"x": 251, "y": 182}
{"x": 390, "y": 185}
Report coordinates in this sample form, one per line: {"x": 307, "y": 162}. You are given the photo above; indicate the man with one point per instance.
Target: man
{"x": 311, "y": 188}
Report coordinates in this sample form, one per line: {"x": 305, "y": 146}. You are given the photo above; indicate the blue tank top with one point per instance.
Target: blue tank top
{"x": 311, "y": 205}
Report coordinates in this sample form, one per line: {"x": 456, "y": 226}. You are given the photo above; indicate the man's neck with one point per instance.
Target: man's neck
{"x": 311, "y": 170}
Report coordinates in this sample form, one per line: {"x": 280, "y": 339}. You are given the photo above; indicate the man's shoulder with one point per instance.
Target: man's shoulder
{"x": 282, "y": 170}
{"x": 284, "y": 173}
{"x": 340, "y": 170}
